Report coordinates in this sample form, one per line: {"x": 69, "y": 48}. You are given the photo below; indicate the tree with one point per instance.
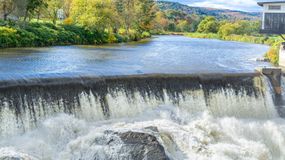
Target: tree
{"x": 7, "y": 7}
{"x": 67, "y": 7}
{"x": 194, "y": 22}
{"x": 146, "y": 14}
{"x": 171, "y": 27}
{"x": 32, "y": 6}
{"x": 128, "y": 14}
{"x": 208, "y": 25}
{"x": 228, "y": 29}
{"x": 53, "y": 6}
{"x": 161, "y": 22}
{"x": 183, "y": 26}
{"x": 248, "y": 27}
{"x": 93, "y": 13}
{"x": 241, "y": 27}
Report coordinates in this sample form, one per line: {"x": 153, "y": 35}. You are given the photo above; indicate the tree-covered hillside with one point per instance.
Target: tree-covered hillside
{"x": 218, "y": 13}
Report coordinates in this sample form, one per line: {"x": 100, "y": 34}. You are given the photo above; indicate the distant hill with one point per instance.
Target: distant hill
{"x": 218, "y": 13}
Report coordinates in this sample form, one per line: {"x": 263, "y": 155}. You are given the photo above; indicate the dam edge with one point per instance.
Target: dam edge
{"x": 93, "y": 79}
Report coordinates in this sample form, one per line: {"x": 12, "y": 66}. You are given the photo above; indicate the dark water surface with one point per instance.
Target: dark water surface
{"x": 162, "y": 54}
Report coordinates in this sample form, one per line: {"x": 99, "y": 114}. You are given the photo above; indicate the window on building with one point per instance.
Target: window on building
{"x": 274, "y": 7}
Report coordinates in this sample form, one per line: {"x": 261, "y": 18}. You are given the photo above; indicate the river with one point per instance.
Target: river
{"x": 162, "y": 54}
{"x": 172, "y": 97}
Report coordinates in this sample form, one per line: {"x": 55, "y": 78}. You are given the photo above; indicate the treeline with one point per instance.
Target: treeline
{"x": 58, "y": 22}
{"x": 241, "y": 30}
{"x": 225, "y": 28}
{"x": 176, "y": 21}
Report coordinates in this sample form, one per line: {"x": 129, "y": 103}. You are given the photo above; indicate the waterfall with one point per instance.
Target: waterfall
{"x": 25, "y": 103}
{"x": 192, "y": 116}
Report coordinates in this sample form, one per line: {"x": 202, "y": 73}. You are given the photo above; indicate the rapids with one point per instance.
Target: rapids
{"x": 184, "y": 136}
{"x": 229, "y": 117}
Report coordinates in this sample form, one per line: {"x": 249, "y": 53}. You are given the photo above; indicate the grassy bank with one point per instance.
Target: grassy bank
{"x": 274, "y": 42}
{"x": 46, "y": 34}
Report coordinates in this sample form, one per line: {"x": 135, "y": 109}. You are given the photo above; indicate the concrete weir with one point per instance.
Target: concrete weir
{"x": 274, "y": 74}
{"x": 25, "y": 103}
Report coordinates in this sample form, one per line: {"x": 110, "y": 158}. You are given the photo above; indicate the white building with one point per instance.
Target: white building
{"x": 273, "y": 21}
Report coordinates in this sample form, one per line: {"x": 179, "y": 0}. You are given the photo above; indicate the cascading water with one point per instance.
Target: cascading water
{"x": 192, "y": 117}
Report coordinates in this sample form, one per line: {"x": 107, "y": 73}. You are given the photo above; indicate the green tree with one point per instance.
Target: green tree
{"x": 248, "y": 27}
{"x": 6, "y": 8}
{"x": 128, "y": 15}
{"x": 171, "y": 27}
{"x": 146, "y": 14}
{"x": 208, "y": 25}
{"x": 67, "y": 7}
{"x": 93, "y": 13}
{"x": 53, "y": 6}
{"x": 194, "y": 22}
{"x": 32, "y": 6}
{"x": 183, "y": 26}
{"x": 228, "y": 29}
{"x": 161, "y": 22}
{"x": 242, "y": 27}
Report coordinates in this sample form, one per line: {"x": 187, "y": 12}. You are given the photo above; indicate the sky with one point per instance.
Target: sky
{"x": 243, "y": 5}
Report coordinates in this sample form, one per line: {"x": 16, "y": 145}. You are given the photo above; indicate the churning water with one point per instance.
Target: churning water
{"x": 228, "y": 117}
{"x": 197, "y": 117}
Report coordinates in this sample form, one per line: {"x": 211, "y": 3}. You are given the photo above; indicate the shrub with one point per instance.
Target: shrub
{"x": 8, "y": 37}
{"x": 208, "y": 25}
{"x": 46, "y": 34}
{"x": 273, "y": 53}
{"x": 112, "y": 38}
{"x": 25, "y": 38}
{"x": 78, "y": 31}
{"x": 203, "y": 35}
{"x": 145, "y": 35}
{"x": 68, "y": 21}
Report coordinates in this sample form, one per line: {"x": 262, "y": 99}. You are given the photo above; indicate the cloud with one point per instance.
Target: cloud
{"x": 244, "y": 5}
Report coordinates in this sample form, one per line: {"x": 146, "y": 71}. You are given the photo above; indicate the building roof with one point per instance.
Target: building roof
{"x": 270, "y": 2}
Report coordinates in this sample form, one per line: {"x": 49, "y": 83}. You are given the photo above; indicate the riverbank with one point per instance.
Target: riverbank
{"x": 36, "y": 34}
{"x": 272, "y": 54}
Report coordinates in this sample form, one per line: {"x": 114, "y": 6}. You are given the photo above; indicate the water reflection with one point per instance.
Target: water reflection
{"x": 163, "y": 54}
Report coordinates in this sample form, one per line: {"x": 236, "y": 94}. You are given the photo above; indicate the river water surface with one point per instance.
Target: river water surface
{"x": 163, "y": 54}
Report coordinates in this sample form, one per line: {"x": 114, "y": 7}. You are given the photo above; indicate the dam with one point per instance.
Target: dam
{"x": 179, "y": 110}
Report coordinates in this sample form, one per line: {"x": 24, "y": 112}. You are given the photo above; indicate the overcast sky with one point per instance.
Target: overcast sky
{"x": 244, "y": 5}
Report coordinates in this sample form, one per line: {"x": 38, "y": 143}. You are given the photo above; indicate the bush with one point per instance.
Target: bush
{"x": 112, "y": 38}
{"x": 208, "y": 25}
{"x": 203, "y": 35}
{"x": 68, "y": 21}
{"x": 145, "y": 35}
{"x": 25, "y": 38}
{"x": 273, "y": 53}
{"x": 8, "y": 37}
{"x": 46, "y": 34}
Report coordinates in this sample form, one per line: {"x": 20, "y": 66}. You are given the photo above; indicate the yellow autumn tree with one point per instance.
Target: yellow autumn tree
{"x": 93, "y": 13}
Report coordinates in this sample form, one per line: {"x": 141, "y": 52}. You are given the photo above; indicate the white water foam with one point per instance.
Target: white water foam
{"x": 224, "y": 102}
{"x": 225, "y": 125}
{"x": 199, "y": 136}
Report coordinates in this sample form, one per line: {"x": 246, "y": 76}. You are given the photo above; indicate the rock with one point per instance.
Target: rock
{"x": 11, "y": 154}
{"x": 152, "y": 128}
{"x": 263, "y": 59}
{"x": 116, "y": 146}
{"x": 143, "y": 146}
